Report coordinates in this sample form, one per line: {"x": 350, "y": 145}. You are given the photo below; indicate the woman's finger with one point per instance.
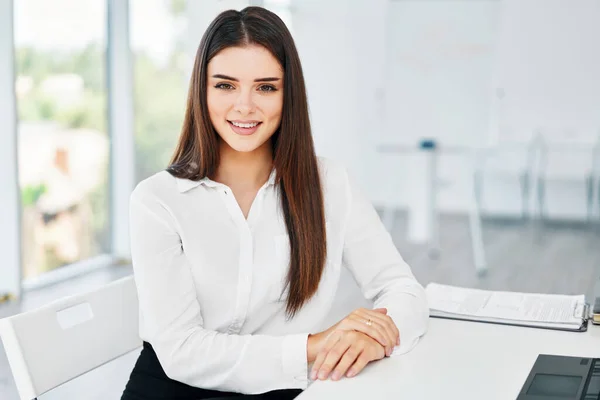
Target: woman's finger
{"x": 391, "y": 324}
{"x": 334, "y": 355}
{"x": 395, "y": 329}
{"x": 384, "y": 337}
{"x": 330, "y": 341}
{"x": 371, "y": 351}
{"x": 359, "y": 365}
{"x": 384, "y": 321}
{"x": 349, "y": 358}
{"x": 353, "y": 322}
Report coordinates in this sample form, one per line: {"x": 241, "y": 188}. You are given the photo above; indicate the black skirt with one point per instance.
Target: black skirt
{"x": 148, "y": 381}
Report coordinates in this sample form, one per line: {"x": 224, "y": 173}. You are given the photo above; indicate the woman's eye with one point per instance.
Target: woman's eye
{"x": 267, "y": 88}
{"x": 224, "y": 86}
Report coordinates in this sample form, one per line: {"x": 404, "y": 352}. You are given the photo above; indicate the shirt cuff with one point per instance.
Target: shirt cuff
{"x": 295, "y": 359}
{"x": 406, "y": 347}
{"x": 411, "y": 318}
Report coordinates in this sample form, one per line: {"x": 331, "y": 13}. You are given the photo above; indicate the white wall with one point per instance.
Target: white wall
{"x": 548, "y": 63}
{"x": 341, "y": 46}
{"x": 395, "y": 71}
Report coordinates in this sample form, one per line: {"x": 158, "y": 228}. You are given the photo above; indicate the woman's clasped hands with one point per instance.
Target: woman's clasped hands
{"x": 348, "y": 346}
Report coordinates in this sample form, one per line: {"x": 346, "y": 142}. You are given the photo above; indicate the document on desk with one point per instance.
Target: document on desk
{"x": 552, "y": 311}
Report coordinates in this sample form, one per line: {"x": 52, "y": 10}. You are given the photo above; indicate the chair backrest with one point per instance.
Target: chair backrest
{"x": 55, "y": 343}
{"x": 568, "y": 152}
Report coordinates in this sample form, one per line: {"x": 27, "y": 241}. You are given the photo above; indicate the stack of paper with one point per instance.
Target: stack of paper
{"x": 551, "y": 311}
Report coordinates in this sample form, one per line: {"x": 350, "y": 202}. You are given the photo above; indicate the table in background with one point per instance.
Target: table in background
{"x": 432, "y": 151}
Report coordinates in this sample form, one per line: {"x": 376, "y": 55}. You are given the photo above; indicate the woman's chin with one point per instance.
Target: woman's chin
{"x": 243, "y": 144}
{"x": 243, "y": 147}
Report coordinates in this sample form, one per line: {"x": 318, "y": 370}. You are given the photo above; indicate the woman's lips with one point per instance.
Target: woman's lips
{"x": 243, "y": 131}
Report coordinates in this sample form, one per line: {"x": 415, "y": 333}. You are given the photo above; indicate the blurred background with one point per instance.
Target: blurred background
{"x": 472, "y": 125}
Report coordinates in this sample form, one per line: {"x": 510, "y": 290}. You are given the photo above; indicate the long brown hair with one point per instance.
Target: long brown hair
{"x": 294, "y": 159}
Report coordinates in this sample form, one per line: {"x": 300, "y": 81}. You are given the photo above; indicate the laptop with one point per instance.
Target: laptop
{"x": 562, "y": 378}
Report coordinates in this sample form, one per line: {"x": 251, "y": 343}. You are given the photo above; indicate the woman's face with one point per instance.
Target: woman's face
{"x": 245, "y": 96}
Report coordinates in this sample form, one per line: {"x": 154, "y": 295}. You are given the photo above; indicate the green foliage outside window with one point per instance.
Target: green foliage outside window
{"x": 31, "y": 194}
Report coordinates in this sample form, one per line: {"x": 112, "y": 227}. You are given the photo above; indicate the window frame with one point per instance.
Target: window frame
{"x": 10, "y": 199}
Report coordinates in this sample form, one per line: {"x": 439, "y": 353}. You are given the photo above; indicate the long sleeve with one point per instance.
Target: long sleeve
{"x": 171, "y": 319}
{"x": 382, "y": 274}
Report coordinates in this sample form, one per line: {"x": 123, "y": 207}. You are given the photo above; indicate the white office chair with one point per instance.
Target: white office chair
{"x": 511, "y": 155}
{"x": 56, "y": 343}
{"x": 568, "y": 155}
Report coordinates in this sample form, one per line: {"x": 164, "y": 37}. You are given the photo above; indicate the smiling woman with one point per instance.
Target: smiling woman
{"x": 247, "y": 69}
{"x": 237, "y": 247}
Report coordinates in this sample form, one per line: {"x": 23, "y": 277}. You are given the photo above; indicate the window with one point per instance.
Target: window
{"x": 63, "y": 146}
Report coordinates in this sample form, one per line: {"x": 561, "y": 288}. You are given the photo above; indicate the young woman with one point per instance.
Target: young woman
{"x": 237, "y": 247}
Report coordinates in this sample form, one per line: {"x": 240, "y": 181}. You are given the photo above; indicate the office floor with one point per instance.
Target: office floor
{"x": 522, "y": 256}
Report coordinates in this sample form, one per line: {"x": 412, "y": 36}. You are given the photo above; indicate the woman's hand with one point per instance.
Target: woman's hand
{"x": 345, "y": 352}
{"x": 374, "y": 323}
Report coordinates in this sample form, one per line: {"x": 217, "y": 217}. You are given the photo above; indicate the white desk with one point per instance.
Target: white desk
{"x": 460, "y": 360}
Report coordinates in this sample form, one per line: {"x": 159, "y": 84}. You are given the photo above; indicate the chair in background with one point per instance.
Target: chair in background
{"x": 56, "y": 343}
{"x": 512, "y": 155}
{"x": 569, "y": 155}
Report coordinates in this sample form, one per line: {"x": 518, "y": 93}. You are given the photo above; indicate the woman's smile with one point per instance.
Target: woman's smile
{"x": 244, "y": 128}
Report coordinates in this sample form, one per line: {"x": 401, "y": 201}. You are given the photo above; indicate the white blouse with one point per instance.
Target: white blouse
{"x": 209, "y": 280}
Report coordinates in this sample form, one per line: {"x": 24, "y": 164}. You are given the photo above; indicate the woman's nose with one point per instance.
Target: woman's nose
{"x": 244, "y": 104}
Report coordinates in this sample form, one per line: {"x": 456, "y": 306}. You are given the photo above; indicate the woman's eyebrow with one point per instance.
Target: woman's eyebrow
{"x": 270, "y": 79}
{"x": 229, "y": 78}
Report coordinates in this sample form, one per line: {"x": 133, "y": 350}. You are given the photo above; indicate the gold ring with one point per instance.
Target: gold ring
{"x": 369, "y": 322}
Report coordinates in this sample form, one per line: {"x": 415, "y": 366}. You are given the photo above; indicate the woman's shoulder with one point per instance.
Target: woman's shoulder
{"x": 160, "y": 185}
{"x": 334, "y": 179}
{"x": 331, "y": 169}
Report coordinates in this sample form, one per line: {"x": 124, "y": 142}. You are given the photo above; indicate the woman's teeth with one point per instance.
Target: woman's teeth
{"x": 252, "y": 125}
